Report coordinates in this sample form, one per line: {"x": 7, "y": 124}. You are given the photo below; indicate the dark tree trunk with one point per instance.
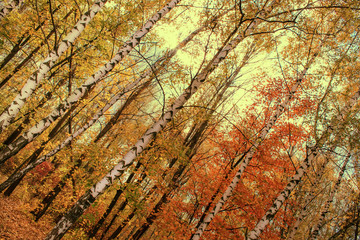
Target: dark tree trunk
{"x": 49, "y": 198}
{"x": 20, "y": 43}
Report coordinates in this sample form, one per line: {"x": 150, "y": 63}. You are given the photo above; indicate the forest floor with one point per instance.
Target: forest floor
{"x": 17, "y": 223}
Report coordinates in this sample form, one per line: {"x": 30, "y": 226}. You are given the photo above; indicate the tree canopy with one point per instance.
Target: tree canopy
{"x": 180, "y": 119}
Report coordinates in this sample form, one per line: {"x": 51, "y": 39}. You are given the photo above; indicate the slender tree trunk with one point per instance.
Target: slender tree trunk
{"x": 279, "y": 110}
{"x": 149, "y": 73}
{"x": 123, "y": 224}
{"x": 8, "y": 115}
{"x": 30, "y": 56}
{"x": 8, "y": 8}
{"x": 90, "y": 196}
{"x": 151, "y": 218}
{"x": 20, "y": 43}
{"x": 357, "y": 223}
{"x": 49, "y": 198}
{"x": 270, "y": 214}
{"x": 119, "y": 112}
{"x": 303, "y": 212}
{"x": 120, "y": 208}
{"x": 96, "y": 227}
{"x": 142, "y": 176}
{"x": 89, "y": 84}
{"x": 316, "y": 230}
{"x": 33, "y": 157}
{"x": 208, "y": 206}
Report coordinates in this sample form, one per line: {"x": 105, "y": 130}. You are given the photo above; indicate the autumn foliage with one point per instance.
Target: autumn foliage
{"x": 179, "y": 119}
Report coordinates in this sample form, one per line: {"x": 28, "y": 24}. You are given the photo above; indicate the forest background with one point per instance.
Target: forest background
{"x": 179, "y": 119}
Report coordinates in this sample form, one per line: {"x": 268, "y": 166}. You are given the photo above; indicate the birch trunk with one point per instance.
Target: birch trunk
{"x": 89, "y": 197}
{"x": 309, "y": 197}
{"x": 8, "y": 8}
{"x": 97, "y": 226}
{"x": 8, "y": 115}
{"x": 30, "y": 55}
{"x": 89, "y": 84}
{"x": 247, "y": 158}
{"x": 22, "y": 41}
{"x": 316, "y": 229}
{"x": 148, "y": 74}
{"x": 269, "y": 215}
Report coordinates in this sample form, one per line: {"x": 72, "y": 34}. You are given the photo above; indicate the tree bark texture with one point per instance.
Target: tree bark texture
{"x": 32, "y": 83}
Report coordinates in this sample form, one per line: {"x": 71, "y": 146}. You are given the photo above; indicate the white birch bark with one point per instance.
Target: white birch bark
{"x": 311, "y": 195}
{"x": 269, "y": 215}
{"x": 41, "y": 126}
{"x": 11, "y": 111}
{"x": 89, "y": 197}
{"x": 247, "y": 158}
{"x": 8, "y": 8}
{"x": 316, "y": 230}
{"x": 146, "y": 76}
{"x": 308, "y": 199}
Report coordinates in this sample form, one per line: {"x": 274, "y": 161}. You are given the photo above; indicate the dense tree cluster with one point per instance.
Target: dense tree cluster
{"x": 176, "y": 119}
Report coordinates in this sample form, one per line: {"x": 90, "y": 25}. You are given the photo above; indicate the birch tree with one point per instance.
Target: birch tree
{"x": 310, "y": 156}
{"x": 8, "y": 115}
{"x": 316, "y": 229}
{"x": 250, "y": 153}
{"x": 142, "y": 82}
{"x": 89, "y": 197}
{"x": 41, "y": 126}
{"x": 5, "y": 10}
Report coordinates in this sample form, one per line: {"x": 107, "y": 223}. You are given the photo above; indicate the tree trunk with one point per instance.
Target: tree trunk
{"x": 30, "y": 56}
{"x": 247, "y": 158}
{"x": 90, "y": 196}
{"x": 129, "y": 217}
{"x": 316, "y": 230}
{"x": 20, "y": 43}
{"x": 151, "y": 218}
{"x": 97, "y": 226}
{"x": 119, "y": 112}
{"x": 80, "y": 92}
{"x": 303, "y": 212}
{"x": 30, "y": 86}
{"x": 295, "y": 180}
{"x": 121, "y": 208}
{"x": 33, "y": 157}
{"x": 8, "y": 8}
{"x": 357, "y": 223}
{"x": 112, "y": 204}
{"x": 49, "y": 198}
